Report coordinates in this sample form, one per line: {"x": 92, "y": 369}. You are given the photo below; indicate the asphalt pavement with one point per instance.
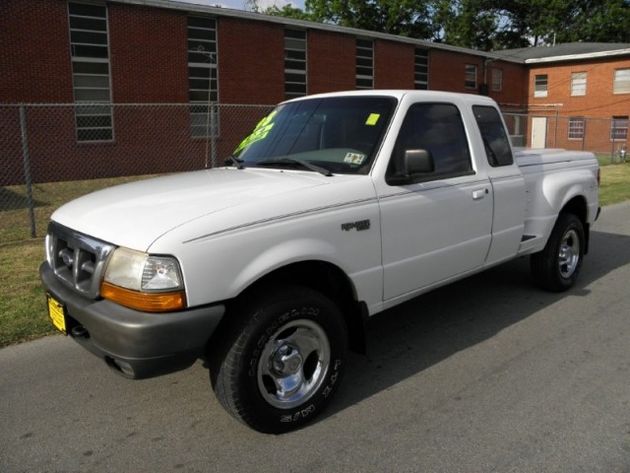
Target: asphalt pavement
{"x": 487, "y": 374}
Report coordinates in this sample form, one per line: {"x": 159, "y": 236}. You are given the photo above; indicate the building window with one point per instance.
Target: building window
{"x": 471, "y": 76}
{"x": 421, "y": 69}
{"x": 365, "y": 64}
{"x": 619, "y": 128}
{"x": 621, "y": 84}
{"x": 90, "y": 72}
{"x": 202, "y": 75}
{"x": 294, "y": 63}
{"x": 540, "y": 85}
{"x": 497, "y": 80}
{"x": 578, "y": 83}
{"x": 576, "y": 128}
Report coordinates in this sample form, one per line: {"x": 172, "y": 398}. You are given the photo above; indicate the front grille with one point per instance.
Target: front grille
{"x": 77, "y": 259}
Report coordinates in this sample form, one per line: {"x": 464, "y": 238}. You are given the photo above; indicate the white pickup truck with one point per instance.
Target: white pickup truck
{"x": 336, "y": 207}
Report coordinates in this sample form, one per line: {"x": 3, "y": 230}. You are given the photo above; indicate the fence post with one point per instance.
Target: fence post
{"x": 213, "y": 135}
{"x": 27, "y": 171}
{"x": 555, "y": 131}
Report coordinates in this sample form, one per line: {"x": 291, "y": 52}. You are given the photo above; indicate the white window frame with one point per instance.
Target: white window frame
{"x": 576, "y": 128}
{"x": 621, "y": 81}
{"x": 210, "y": 115}
{"x": 615, "y": 128}
{"x": 470, "y": 69}
{"x": 497, "y": 80}
{"x": 364, "y": 52}
{"x": 421, "y": 61}
{"x": 540, "y": 92}
{"x": 288, "y": 70}
{"x": 578, "y": 84}
{"x": 97, "y": 107}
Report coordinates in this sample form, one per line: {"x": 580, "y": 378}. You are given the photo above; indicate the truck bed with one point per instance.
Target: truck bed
{"x": 549, "y": 173}
{"x": 530, "y": 156}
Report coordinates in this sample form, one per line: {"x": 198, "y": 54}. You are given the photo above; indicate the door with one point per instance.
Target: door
{"x": 539, "y": 132}
{"x": 439, "y": 226}
{"x": 508, "y": 185}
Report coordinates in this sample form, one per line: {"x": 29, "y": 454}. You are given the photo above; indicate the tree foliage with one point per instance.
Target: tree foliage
{"x": 467, "y": 23}
{"x": 479, "y": 24}
{"x": 601, "y": 21}
{"x": 400, "y": 17}
{"x": 288, "y": 11}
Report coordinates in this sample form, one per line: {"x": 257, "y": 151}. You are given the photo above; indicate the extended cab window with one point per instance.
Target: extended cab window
{"x": 438, "y": 129}
{"x": 495, "y": 139}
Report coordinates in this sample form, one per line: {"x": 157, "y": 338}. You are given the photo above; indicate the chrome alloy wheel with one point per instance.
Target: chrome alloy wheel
{"x": 293, "y": 364}
{"x": 569, "y": 255}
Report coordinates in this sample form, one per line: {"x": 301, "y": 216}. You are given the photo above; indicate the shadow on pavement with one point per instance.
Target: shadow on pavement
{"x": 420, "y": 333}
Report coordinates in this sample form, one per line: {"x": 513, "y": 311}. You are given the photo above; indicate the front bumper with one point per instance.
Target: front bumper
{"x": 136, "y": 344}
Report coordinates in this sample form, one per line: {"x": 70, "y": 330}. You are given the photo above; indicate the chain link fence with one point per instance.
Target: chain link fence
{"x": 51, "y": 154}
{"x": 607, "y": 138}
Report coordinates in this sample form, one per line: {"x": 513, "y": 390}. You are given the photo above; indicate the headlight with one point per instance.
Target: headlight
{"x": 142, "y": 272}
{"x": 144, "y": 282}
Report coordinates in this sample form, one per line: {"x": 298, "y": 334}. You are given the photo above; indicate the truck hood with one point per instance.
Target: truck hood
{"x": 136, "y": 214}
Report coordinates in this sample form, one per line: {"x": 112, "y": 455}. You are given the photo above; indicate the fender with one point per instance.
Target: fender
{"x": 559, "y": 189}
{"x": 284, "y": 254}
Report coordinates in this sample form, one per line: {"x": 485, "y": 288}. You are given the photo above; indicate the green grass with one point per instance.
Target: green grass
{"x": 23, "y": 313}
{"x": 615, "y": 184}
{"x": 14, "y": 216}
{"x": 604, "y": 159}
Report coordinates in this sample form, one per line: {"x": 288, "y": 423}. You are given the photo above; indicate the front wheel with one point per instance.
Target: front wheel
{"x": 557, "y": 266}
{"x": 282, "y": 359}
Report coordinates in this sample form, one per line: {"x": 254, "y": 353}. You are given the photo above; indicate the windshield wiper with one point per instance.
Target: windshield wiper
{"x": 235, "y": 161}
{"x": 306, "y": 164}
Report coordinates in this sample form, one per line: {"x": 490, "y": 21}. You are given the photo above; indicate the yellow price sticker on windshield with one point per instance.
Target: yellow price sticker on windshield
{"x": 372, "y": 119}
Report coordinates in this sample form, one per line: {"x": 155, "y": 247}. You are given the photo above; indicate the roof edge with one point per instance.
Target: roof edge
{"x": 574, "y": 57}
{"x": 245, "y": 15}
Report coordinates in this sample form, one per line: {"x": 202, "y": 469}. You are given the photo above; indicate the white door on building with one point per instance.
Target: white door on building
{"x": 539, "y": 132}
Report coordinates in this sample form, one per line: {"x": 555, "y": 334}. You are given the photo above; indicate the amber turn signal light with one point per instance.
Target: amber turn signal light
{"x": 144, "y": 301}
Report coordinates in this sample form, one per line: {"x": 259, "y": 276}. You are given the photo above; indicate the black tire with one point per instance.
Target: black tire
{"x": 261, "y": 330}
{"x": 548, "y": 269}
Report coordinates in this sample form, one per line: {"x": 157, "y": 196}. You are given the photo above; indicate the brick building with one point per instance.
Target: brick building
{"x": 151, "y": 44}
{"x": 98, "y": 54}
{"x": 578, "y": 94}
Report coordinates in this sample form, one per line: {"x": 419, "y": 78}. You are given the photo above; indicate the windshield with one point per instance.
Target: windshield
{"x": 338, "y": 134}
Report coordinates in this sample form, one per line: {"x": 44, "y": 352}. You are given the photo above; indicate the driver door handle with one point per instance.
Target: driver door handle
{"x": 478, "y": 194}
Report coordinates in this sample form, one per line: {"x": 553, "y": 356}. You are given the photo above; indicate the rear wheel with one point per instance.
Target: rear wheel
{"x": 282, "y": 358}
{"x": 557, "y": 266}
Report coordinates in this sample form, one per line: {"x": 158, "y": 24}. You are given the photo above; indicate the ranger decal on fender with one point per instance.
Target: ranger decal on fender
{"x": 358, "y": 225}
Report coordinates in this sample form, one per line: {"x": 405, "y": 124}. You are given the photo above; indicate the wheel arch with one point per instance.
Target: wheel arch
{"x": 577, "y": 206}
{"x": 328, "y": 279}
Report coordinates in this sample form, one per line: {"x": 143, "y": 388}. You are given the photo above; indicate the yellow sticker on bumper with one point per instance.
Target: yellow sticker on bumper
{"x": 56, "y": 314}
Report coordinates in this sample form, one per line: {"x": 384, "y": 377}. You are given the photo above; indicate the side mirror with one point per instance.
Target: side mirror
{"x": 418, "y": 161}
{"x": 415, "y": 163}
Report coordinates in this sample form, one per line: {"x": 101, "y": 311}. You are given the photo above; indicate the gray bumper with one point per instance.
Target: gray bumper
{"x": 137, "y": 344}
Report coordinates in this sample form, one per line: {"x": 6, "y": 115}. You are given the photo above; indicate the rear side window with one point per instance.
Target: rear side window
{"x": 495, "y": 140}
{"x": 438, "y": 129}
